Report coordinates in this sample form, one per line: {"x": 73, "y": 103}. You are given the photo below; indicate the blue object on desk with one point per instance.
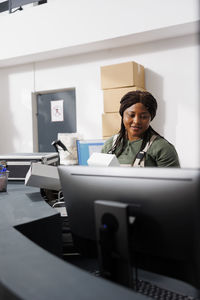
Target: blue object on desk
{"x": 86, "y": 147}
{"x": 2, "y": 168}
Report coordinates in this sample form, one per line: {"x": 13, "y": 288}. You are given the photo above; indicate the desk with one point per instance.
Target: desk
{"x": 28, "y": 271}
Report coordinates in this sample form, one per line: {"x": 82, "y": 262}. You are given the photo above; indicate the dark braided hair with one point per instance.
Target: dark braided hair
{"x": 128, "y": 100}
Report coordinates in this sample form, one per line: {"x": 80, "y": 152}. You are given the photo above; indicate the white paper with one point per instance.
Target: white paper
{"x": 57, "y": 111}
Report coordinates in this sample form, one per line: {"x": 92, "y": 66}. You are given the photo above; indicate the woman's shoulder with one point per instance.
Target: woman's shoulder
{"x": 164, "y": 152}
{"x": 160, "y": 143}
{"x": 108, "y": 144}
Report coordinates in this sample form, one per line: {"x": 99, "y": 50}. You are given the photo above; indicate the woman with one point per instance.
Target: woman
{"x": 137, "y": 144}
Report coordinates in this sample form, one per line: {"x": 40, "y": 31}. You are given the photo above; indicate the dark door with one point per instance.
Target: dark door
{"x": 56, "y": 113}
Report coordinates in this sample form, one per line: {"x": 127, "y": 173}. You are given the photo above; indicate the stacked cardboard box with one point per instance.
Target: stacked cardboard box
{"x": 116, "y": 81}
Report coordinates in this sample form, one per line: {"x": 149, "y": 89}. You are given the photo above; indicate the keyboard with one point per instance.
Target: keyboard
{"x": 155, "y": 292}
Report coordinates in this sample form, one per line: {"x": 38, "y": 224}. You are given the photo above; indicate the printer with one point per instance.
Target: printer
{"x": 18, "y": 164}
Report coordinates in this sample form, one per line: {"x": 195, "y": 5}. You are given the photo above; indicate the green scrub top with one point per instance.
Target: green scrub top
{"x": 160, "y": 154}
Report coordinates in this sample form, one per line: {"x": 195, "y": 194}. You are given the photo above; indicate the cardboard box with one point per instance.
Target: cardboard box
{"x": 122, "y": 75}
{"x": 112, "y": 97}
{"x": 111, "y": 123}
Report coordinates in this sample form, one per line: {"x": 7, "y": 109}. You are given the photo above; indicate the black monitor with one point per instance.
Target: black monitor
{"x": 165, "y": 235}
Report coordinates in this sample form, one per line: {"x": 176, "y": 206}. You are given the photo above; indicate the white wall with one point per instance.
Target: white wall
{"x": 172, "y": 75}
{"x": 16, "y": 84}
{"x": 53, "y": 29}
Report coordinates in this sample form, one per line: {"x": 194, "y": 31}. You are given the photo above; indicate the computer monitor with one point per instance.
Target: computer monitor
{"x": 85, "y": 148}
{"x": 165, "y": 238}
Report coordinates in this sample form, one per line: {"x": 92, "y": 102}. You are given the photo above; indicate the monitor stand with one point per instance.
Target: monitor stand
{"x": 113, "y": 243}
{"x": 112, "y": 230}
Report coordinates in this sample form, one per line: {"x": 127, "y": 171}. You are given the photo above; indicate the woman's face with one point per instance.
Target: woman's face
{"x": 136, "y": 119}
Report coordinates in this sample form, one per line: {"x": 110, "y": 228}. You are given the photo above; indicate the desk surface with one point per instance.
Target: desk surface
{"x": 27, "y": 271}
